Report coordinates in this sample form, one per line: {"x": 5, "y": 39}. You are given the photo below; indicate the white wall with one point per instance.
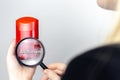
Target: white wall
{"x": 67, "y": 27}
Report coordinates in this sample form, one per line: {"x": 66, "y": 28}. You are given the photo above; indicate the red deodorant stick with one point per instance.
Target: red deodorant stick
{"x": 27, "y": 27}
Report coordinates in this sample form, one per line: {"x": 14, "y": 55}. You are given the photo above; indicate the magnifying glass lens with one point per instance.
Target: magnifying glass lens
{"x": 30, "y": 52}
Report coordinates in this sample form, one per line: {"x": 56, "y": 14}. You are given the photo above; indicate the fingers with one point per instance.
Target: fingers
{"x": 59, "y": 72}
{"x": 51, "y": 75}
{"x": 59, "y": 66}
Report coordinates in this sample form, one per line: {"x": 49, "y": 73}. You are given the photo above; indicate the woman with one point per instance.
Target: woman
{"x": 113, "y": 38}
{"x": 55, "y": 70}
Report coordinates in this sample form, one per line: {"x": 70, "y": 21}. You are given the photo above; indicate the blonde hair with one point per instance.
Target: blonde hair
{"x": 114, "y": 37}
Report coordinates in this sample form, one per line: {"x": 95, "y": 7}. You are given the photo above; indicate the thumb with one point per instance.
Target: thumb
{"x": 51, "y": 74}
{"x": 11, "y": 52}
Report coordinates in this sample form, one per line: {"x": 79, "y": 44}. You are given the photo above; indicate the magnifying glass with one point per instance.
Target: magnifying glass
{"x": 30, "y": 52}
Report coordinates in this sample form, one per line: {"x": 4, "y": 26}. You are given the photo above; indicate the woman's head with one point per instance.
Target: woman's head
{"x": 102, "y": 63}
{"x": 108, "y": 4}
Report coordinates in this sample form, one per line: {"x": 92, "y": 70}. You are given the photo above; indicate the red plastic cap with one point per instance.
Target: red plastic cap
{"x": 27, "y": 27}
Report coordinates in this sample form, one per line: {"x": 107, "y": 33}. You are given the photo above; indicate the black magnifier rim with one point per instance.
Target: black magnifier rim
{"x": 40, "y": 62}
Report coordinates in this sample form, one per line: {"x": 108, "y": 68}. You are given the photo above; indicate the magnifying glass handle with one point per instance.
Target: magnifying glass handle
{"x": 43, "y": 65}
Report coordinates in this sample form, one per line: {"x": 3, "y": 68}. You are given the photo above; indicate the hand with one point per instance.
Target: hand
{"x": 15, "y": 70}
{"x": 54, "y": 71}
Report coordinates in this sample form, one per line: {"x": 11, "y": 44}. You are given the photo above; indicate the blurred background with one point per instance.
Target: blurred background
{"x": 67, "y": 27}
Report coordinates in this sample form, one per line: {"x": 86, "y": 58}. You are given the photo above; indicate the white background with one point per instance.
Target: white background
{"x": 67, "y": 27}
